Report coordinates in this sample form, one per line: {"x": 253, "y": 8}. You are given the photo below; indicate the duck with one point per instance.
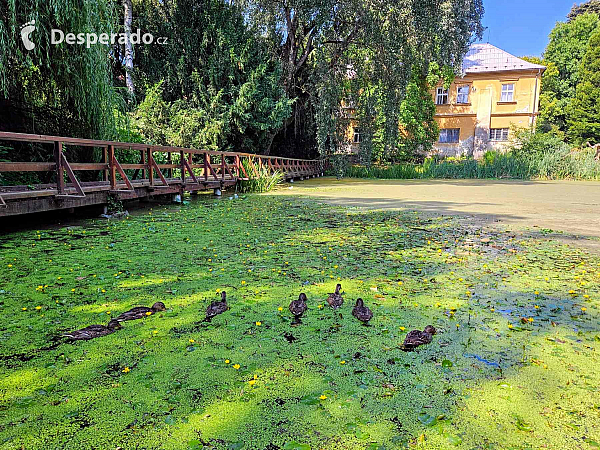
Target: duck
{"x": 335, "y": 299}
{"x": 416, "y": 338}
{"x": 361, "y": 312}
{"x": 298, "y": 307}
{"x": 94, "y": 331}
{"x": 216, "y": 308}
{"x": 139, "y": 312}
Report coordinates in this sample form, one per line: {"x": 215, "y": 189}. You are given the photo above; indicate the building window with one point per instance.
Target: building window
{"x": 462, "y": 94}
{"x": 499, "y": 134}
{"x": 449, "y": 135}
{"x": 357, "y": 137}
{"x": 441, "y": 96}
{"x": 507, "y": 92}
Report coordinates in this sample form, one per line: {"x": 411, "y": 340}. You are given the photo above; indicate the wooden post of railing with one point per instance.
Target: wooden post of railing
{"x": 237, "y": 166}
{"x": 60, "y": 170}
{"x": 205, "y": 167}
{"x": 182, "y": 162}
{"x": 105, "y": 161}
{"x": 150, "y": 168}
{"x": 111, "y": 167}
{"x": 223, "y": 167}
{"x": 143, "y": 161}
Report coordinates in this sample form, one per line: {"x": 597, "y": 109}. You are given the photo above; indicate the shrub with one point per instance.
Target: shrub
{"x": 261, "y": 181}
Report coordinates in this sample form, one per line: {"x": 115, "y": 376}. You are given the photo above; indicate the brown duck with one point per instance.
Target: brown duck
{"x": 298, "y": 307}
{"x": 93, "y": 331}
{"x": 416, "y": 338}
{"x": 335, "y": 299}
{"x": 361, "y": 312}
{"x": 216, "y": 308}
{"x": 139, "y": 312}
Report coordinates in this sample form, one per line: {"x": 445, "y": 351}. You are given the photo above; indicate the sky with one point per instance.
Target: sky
{"x": 521, "y": 27}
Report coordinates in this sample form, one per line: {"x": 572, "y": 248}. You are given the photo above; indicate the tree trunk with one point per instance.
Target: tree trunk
{"x": 128, "y": 10}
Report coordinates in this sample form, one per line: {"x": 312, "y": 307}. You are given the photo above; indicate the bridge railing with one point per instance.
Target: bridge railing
{"x": 190, "y": 166}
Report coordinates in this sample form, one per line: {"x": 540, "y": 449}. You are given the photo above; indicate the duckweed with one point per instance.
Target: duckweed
{"x": 253, "y": 379}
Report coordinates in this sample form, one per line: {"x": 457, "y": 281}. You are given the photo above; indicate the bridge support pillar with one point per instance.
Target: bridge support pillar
{"x": 217, "y": 192}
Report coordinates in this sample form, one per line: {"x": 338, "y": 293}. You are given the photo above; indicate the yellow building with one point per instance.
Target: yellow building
{"x": 476, "y": 112}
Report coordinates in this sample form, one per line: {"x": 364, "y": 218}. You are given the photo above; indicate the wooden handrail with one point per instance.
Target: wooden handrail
{"x": 40, "y": 138}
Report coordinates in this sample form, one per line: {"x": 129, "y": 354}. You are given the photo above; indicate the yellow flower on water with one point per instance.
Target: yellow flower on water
{"x": 492, "y": 309}
{"x": 537, "y": 293}
{"x": 252, "y": 382}
{"x": 38, "y": 307}
{"x": 323, "y": 397}
{"x": 149, "y": 313}
{"x": 72, "y": 290}
{"x": 126, "y": 370}
{"x": 103, "y": 291}
{"x": 335, "y": 267}
{"x": 155, "y": 332}
{"x": 402, "y": 328}
{"x": 320, "y": 306}
{"x": 243, "y": 282}
{"x": 438, "y": 305}
{"x": 24, "y": 309}
{"x": 227, "y": 361}
{"x": 583, "y": 308}
{"x": 192, "y": 341}
{"x": 400, "y": 283}
{"x": 280, "y": 309}
{"x": 458, "y": 325}
{"x": 571, "y": 292}
{"x": 586, "y": 296}
{"x": 530, "y": 320}
{"x": 342, "y": 362}
{"x": 536, "y": 306}
{"x": 9, "y": 266}
{"x": 258, "y": 324}
{"x": 236, "y": 366}
{"x": 510, "y": 325}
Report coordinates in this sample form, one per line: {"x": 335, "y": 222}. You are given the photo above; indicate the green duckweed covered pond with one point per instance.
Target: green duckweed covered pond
{"x": 515, "y": 363}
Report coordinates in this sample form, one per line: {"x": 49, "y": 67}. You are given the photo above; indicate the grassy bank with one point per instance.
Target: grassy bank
{"x": 252, "y": 380}
{"x": 560, "y": 165}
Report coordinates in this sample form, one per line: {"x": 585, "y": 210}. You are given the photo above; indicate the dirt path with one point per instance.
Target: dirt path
{"x": 566, "y": 206}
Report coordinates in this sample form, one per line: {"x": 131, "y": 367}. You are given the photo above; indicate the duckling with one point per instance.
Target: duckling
{"x": 139, "y": 312}
{"x": 416, "y": 338}
{"x": 298, "y": 307}
{"x": 335, "y": 299}
{"x": 361, "y": 312}
{"x": 94, "y": 331}
{"x": 216, "y": 308}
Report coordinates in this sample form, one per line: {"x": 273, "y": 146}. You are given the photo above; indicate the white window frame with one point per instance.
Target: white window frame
{"x": 441, "y": 94}
{"x": 508, "y": 93}
{"x": 498, "y": 134}
{"x": 463, "y": 97}
{"x": 447, "y": 136}
{"x": 357, "y": 136}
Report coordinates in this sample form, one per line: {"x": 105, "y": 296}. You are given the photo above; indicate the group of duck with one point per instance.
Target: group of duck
{"x": 298, "y": 308}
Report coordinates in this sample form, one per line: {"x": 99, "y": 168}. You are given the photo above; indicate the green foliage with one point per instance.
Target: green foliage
{"x": 532, "y": 155}
{"x": 262, "y": 181}
{"x": 56, "y": 89}
{"x": 214, "y": 86}
{"x": 584, "y": 109}
{"x": 179, "y": 394}
{"x": 563, "y": 55}
{"x": 588, "y": 7}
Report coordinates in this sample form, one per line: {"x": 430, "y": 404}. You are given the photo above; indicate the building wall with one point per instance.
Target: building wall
{"x": 485, "y": 110}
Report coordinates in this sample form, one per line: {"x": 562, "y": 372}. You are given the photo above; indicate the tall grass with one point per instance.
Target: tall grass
{"x": 562, "y": 163}
{"x": 262, "y": 181}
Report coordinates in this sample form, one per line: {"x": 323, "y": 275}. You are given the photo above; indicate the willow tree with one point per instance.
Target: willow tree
{"x": 323, "y": 43}
{"x": 64, "y": 89}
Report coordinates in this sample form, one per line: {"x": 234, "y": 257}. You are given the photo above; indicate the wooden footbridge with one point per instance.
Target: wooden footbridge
{"x": 156, "y": 170}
